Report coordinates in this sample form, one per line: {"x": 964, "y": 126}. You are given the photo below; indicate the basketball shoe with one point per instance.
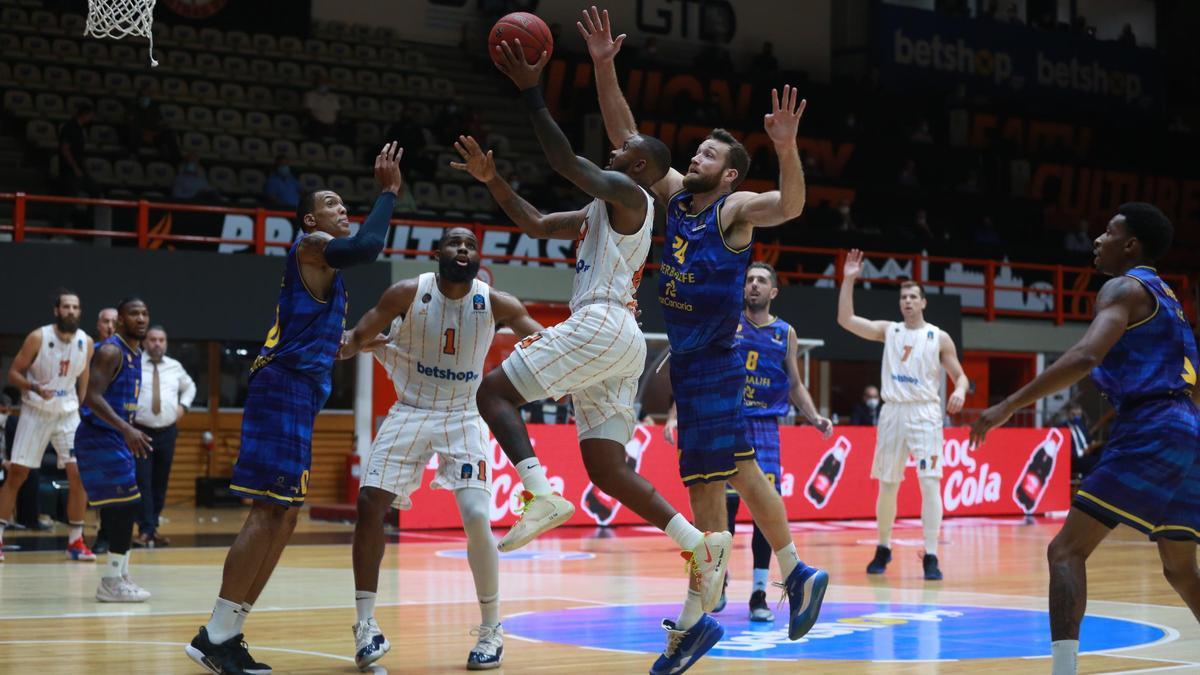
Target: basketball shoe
{"x": 120, "y": 589}
{"x": 759, "y": 611}
{"x": 883, "y": 556}
{"x": 369, "y": 643}
{"x": 538, "y": 514}
{"x": 805, "y": 588}
{"x": 80, "y": 551}
{"x": 685, "y": 647}
{"x": 489, "y": 649}
{"x": 231, "y": 657}
{"x": 707, "y": 565}
{"x": 930, "y": 563}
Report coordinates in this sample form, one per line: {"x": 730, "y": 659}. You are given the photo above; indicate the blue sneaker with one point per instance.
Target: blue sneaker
{"x": 685, "y": 647}
{"x": 805, "y": 588}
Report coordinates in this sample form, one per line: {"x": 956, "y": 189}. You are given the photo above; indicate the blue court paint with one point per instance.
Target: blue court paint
{"x": 849, "y": 631}
{"x": 524, "y": 555}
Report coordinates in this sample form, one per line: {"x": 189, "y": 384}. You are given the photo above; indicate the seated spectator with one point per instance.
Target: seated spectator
{"x": 866, "y": 411}
{"x": 145, "y": 128}
{"x": 191, "y": 184}
{"x": 764, "y": 62}
{"x": 72, "y": 154}
{"x": 323, "y": 108}
{"x": 282, "y": 189}
{"x": 1079, "y": 241}
{"x": 845, "y": 221}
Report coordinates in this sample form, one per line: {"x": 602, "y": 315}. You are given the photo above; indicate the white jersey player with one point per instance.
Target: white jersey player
{"x": 51, "y": 372}
{"x": 442, "y": 326}
{"x": 915, "y": 353}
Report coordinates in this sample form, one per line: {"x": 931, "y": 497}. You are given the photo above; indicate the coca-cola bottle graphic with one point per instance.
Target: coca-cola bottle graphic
{"x": 824, "y": 478}
{"x": 1031, "y": 485}
{"x": 595, "y": 502}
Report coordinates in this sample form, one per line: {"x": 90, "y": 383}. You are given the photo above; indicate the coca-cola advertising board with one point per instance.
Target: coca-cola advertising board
{"x": 1014, "y": 472}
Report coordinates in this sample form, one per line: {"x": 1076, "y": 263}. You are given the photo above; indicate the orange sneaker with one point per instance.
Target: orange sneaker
{"x": 80, "y": 551}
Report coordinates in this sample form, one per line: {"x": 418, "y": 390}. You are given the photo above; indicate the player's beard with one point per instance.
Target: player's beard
{"x": 757, "y": 306}
{"x": 66, "y": 324}
{"x": 695, "y": 183}
{"x": 451, "y": 271}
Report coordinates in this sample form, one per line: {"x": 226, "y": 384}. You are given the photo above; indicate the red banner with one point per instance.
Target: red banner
{"x": 1016, "y": 471}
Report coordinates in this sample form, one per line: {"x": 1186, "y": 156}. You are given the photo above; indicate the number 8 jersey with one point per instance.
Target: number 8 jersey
{"x": 435, "y": 353}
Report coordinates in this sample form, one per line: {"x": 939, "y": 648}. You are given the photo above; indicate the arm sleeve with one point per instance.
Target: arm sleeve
{"x": 365, "y": 246}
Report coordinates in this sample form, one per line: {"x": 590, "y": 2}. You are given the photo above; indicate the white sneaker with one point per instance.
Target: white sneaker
{"x": 707, "y": 562}
{"x": 538, "y": 514}
{"x": 117, "y": 589}
{"x": 489, "y": 650}
{"x": 369, "y": 643}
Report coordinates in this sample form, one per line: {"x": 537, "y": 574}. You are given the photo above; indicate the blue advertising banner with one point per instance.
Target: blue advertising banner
{"x": 922, "y": 49}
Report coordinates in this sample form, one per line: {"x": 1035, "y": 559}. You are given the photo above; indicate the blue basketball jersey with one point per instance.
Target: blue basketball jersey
{"x": 307, "y": 331}
{"x": 122, "y": 392}
{"x": 1155, "y": 357}
{"x": 701, "y": 278}
{"x": 764, "y": 351}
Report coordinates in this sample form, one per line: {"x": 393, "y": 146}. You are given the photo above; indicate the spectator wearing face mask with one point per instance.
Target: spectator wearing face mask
{"x": 323, "y": 108}
{"x": 866, "y": 412}
{"x": 282, "y": 190}
{"x": 191, "y": 184}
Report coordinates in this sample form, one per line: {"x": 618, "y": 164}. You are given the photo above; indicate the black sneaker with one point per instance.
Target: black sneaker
{"x": 759, "y": 611}
{"x": 883, "y": 556}
{"x": 222, "y": 659}
{"x": 930, "y": 563}
{"x": 247, "y": 662}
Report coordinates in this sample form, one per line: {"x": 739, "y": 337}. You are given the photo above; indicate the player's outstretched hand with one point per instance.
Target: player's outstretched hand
{"x": 476, "y": 162}
{"x": 387, "y": 168}
{"x": 513, "y": 64}
{"x": 854, "y": 264}
{"x": 990, "y": 419}
{"x": 597, "y": 33}
{"x": 137, "y": 441}
{"x": 824, "y": 425}
{"x": 783, "y": 120}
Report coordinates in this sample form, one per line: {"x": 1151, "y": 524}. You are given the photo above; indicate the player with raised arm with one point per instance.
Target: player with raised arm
{"x": 442, "y": 325}
{"x": 710, "y": 227}
{"x": 915, "y": 354}
{"x": 596, "y": 355}
{"x": 1140, "y": 351}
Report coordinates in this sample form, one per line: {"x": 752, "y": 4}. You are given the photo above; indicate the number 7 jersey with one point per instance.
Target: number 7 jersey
{"x": 435, "y": 352}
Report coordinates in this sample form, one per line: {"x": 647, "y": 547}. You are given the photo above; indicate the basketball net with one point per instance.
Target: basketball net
{"x": 120, "y": 18}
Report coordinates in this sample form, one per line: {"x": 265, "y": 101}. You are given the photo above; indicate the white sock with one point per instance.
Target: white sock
{"x": 788, "y": 560}
{"x": 684, "y": 533}
{"x": 222, "y": 625}
{"x": 243, "y": 612}
{"x": 691, "y": 613}
{"x": 75, "y": 534}
{"x": 113, "y": 565}
{"x": 885, "y": 511}
{"x": 761, "y": 577}
{"x": 931, "y": 512}
{"x": 364, "y": 604}
{"x": 533, "y": 476}
{"x": 1064, "y": 657}
{"x": 474, "y": 506}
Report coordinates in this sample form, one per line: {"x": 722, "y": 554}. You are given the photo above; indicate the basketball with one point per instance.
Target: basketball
{"x": 533, "y": 33}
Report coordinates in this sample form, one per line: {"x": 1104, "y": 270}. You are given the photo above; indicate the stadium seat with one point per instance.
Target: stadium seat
{"x": 286, "y": 98}
{"x": 367, "y": 80}
{"x": 212, "y": 38}
{"x": 6, "y": 75}
{"x": 160, "y": 175}
{"x": 110, "y": 111}
{"x": 365, "y": 107}
{"x": 391, "y": 57}
{"x": 71, "y": 24}
{"x": 122, "y": 55}
{"x": 258, "y": 122}
{"x": 58, "y": 78}
{"x": 180, "y": 61}
{"x": 290, "y": 45}
{"x": 238, "y": 41}
{"x": 504, "y": 167}
{"x": 442, "y": 87}
{"x": 50, "y": 106}
{"x": 232, "y": 93}
{"x": 117, "y": 83}
{"x": 225, "y": 180}
{"x": 15, "y": 18}
{"x": 99, "y": 169}
{"x": 289, "y": 71}
{"x": 287, "y": 125}
{"x": 200, "y": 118}
{"x": 313, "y": 72}
{"x": 176, "y": 88}
{"x": 42, "y": 133}
{"x": 36, "y": 46}
{"x": 393, "y": 110}
{"x": 66, "y": 50}
{"x": 129, "y": 172}
{"x": 173, "y": 116}
{"x": 208, "y": 64}
{"x": 27, "y": 74}
{"x": 341, "y": 156}
{"x": 427, "y": 194}
{"x": 44, "y": 22}
{"x": 366, "y": 53}
{"x": 479, "y": 199}
{"x": 96, "y": 53}
{"x": 262, "y": 69}
{"x": 310, "y": 182}
{"x": 265, "y": 43}
{"x": 454, "y": 195}
{"x": 105, "y": 138}
{"x": 252, "y": 180}
{"x": 368, "y": 134}
{"x": 414, "y": 59}
{"x": 442, "y": 167}
{"x": 312, "y": 153}
{"x": 205, "y": 92}
{"x": 393, "y": 83}
{"x": 235, "y": 67}
{"x": 527, "y": 171}
{"x": 499, "y": 143}
{"x": 185, "y": 35}
{"x": 365, "y": 188}
{"x": 194, "y": 141}
{"x": 89, "y": 81}
{"x": 284, "y": 147}
{"x": 10, "y": 46}
{"x": 315, "y": 48}
{"x": 226, "y": 147}
{"x": 343, "y": 185}
{"x": 256, "y": 150}
{"x": 343, "y": 78}
{"x": 146, "y": 82}
{"x": 418, "y": 85}
{"x": 229, "y": 120}
{"x": 259, "y": 95}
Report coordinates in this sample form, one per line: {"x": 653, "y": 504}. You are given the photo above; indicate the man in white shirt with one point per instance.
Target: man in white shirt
{"x": 166, "y": 394}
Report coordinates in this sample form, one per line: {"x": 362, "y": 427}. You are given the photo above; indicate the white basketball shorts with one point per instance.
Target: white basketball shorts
{"x": 904, "y": 430}
{"x": 37, "y": 429}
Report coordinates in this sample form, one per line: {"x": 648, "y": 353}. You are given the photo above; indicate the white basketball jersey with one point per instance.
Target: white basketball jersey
{"x": 57, "y": 367}
{"x": 435, "y": 353}
{"x": 608, "y": 265}
{"x": 912, "y": 366}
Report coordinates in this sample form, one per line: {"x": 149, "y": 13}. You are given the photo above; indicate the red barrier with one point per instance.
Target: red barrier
{"x": 1017, "y": 470}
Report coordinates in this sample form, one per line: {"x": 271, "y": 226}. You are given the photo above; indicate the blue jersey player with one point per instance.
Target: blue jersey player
{"x": 106, "y": 442}
{"x": 289, "y": 383}
{"x": 708, "y": 235}
{"x": 1141, "y": 352}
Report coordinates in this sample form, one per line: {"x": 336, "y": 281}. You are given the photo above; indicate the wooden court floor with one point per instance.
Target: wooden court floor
{"x": 585, "y": 602}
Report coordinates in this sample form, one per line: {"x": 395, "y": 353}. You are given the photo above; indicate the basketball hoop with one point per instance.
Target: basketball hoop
{"x": 121, "y": 18}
